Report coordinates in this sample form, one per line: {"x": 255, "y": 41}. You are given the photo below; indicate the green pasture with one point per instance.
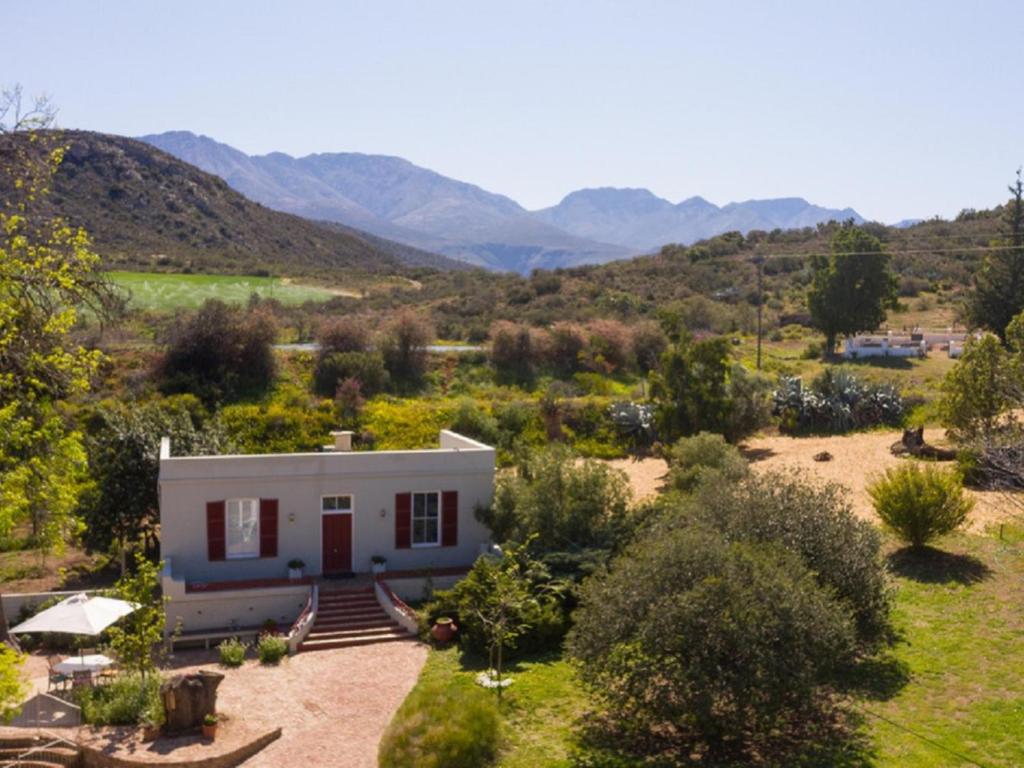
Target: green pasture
{"x": 163, "y": 292}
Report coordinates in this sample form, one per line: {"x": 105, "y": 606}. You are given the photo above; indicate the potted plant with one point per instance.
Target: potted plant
{"x": 295, "y": 568}
{"x": 444, "y": 630}
{"x": 210, "y": 726}
{"x": 378, "y": 563}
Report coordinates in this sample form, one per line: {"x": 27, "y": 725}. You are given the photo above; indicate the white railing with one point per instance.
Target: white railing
{"x": 396, "y": 608}
{"x": 304, "y": 623}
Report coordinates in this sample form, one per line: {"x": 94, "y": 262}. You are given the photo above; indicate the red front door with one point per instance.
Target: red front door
{"x": 337, "y": 542}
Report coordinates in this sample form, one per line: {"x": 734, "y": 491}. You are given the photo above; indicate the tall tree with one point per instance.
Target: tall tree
{"x": 48, "y": 273}
{"x": 692, "y": 387}
{"x": 852, "y": 287}
{"x": 998, "y": 293}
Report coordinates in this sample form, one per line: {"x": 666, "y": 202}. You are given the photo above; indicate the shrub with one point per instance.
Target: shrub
{"x": 232, "y": 652}
{"x": 512, "y": 351}
{"x": 750, "y": 403}
{"x": 569, "y": 504}
{"x": 692, "y": 638}
{"x": 565, "y": 343}
{"x": 219, "y": 354}
{"x": 648, "y": 345}
{"x": 608, "y": 346}
{"x": 919, "y": 503}
{"x": 693, "y": 459}
{"x": 127, "y": 700}
{"x": 344, "y": 334}
{"x": 442, "y": 725}
{"x": 271, "y": 648}
{"x": 816, "y": 523}
{"x": 538, "y": 615}
{"x": 365, "y": 367}
{"x": 473, "y": 421}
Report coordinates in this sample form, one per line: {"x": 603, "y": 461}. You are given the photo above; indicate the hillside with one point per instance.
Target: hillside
{"x": 396, "y": 199}
{"x": 145, "y": 208}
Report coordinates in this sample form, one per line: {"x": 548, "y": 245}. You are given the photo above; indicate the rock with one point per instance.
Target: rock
{"x": 188, "y": 699}
{"x": 823, "y": 456}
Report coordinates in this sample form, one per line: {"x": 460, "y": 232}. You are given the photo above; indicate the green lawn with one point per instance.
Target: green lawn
{"x": 163, "y": 292}
{"x": 952, "y": 692}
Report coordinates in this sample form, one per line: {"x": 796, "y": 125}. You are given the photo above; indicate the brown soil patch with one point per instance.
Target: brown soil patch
{"x": 856, "y": 460}
{"x": 645, "y": 476}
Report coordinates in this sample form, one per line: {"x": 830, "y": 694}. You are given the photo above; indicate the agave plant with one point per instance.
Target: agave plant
{"x": 836, "y": 401}
{"x": 635, "y": 422}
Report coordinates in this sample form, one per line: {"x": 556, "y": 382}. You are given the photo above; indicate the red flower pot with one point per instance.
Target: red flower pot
{"x": 444, "y": 630}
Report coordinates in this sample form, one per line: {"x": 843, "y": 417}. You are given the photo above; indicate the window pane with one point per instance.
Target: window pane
{"x": 242, "y": 526}
{"x": 345, "y": 502}
{"x": 431, "y": 534}
{"x": 418, "y": 527}
{"x": 330, "y": 503}
{"x": 418, "y": 504}
{"x": 432, "y": 505}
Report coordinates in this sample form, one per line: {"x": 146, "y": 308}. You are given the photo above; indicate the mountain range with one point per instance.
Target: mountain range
{"x": 145, "y": 208}
{"x": 394, "y": 199}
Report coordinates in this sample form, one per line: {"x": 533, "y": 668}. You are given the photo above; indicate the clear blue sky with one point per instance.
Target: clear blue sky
{"x": 899, "y": 109}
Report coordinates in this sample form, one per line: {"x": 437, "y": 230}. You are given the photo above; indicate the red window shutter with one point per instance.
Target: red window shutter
{"x": 403, "y": 520}
{"x": 449, "y": 518}
{"x": 268, "y": 527}
{"x": 216, "y": 544}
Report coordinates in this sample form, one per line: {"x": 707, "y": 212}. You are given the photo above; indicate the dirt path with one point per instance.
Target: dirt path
{"x": 856, "y": 459}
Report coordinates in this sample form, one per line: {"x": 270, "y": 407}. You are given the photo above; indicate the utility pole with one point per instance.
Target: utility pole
{"x": 759, "y": 263}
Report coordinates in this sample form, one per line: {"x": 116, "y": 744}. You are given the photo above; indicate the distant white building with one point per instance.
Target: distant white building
{"x": 885, "y": 345}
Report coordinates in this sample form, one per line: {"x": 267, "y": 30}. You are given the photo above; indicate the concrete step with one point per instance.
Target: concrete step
{"x": 337, "y": 626}
{"x": 65, "y": 756}
{"x": 314, "y": 644}
{"x": 339, "y": 634}
{"x": 361, "y": 606}
{"x": 353, "y": 613}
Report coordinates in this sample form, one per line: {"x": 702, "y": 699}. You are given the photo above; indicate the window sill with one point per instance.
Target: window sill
{"x": 241, "y": 557}
{"x": 426, "y": 545}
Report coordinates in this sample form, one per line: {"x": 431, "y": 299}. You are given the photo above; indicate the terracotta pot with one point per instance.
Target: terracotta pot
{"x": 444, "y": 630}
{"x": 210, "y": 731}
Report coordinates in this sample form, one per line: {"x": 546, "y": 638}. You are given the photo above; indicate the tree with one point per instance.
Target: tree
{"x": 980, "y": 390}
{"x": 404, "y": 346}
{"x": 12, "y": 685}
{"x": 122, "y": 508}
{"x": 691, "y": 388}
{"x": 135, "y": 638}
{"x": 220, "y": 354}
{"x": 48, "y": 274}
{"x": 998, "y": 292}
{"x": 852, "y": 287}
{"x": 692, "y": 641}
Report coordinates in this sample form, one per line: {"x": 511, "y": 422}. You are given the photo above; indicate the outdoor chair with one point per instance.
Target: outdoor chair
{"x": 81, "y": 679}
{"x": 55, "y": 679}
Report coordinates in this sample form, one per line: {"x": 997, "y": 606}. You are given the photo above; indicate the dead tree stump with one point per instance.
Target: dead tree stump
{"x": 913, "y": 444}
{"x": 188, "y": 699}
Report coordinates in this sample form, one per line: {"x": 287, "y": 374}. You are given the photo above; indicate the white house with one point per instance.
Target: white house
{"x": 229, "y": 526}
{"x": 885, "y": 345}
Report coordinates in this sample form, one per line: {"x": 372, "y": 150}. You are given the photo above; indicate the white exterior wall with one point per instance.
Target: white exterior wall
{"x": 298, "y": 481}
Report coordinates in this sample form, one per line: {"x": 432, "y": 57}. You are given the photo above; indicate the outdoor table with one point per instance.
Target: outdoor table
{"x": 94, "y": 662}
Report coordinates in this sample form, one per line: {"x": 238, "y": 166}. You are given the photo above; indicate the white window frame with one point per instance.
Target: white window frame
{"x": 228, "y": 554}
{"x": 412, "y": 519}
{"x": 351, "y": 503}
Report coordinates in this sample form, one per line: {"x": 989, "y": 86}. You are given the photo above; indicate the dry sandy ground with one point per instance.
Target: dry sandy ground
{"x": 856, "y": 460}
{"x": 332, "y": 707}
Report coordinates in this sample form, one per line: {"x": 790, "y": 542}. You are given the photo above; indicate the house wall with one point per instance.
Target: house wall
{"x": 298, "y": 481}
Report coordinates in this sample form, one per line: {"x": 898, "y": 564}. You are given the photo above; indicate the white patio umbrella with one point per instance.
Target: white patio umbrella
{"x": 77, "y": 615}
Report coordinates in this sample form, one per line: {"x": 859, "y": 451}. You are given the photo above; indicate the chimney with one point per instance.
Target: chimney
{"x": 342, "y": 440}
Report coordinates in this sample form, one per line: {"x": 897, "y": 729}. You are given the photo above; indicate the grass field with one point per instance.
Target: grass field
{"x": 949, "y": 694}
{"x": 163, "y": 292}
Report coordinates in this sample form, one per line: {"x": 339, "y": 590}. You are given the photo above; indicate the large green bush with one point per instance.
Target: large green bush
{"x": 814, "y": 522}
{"x": 693, "y": 640}
{"x": 365, "y": 367}
{"x": 705, "y": 454}
{"x": 540, "y": 616}
{"x": 128, "y": 700}
{"x": 919, "y": 503}
{"x": 569, "y": 503}
{"x": 442, "y": 724}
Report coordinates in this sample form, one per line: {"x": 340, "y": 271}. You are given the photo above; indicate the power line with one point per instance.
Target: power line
{"x": 925, "y": 739}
